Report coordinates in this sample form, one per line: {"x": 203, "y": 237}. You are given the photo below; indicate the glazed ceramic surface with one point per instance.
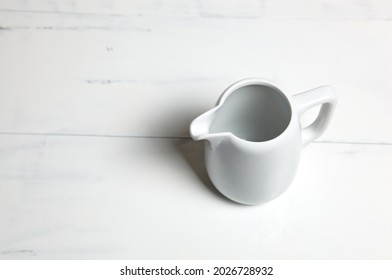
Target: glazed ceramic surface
{"x": 254, "y": 137}
{"x": 96, "y": 98}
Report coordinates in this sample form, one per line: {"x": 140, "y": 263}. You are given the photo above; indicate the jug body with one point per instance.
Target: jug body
{"x": 254, "y": 137}
{"x": 253, "y": 173}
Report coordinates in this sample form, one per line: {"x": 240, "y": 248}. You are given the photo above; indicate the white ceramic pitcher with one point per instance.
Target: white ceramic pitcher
{"x": 254, "y": 137}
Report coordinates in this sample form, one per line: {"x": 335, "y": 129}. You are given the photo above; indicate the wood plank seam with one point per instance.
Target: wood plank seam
{"x": 168, "y": 137}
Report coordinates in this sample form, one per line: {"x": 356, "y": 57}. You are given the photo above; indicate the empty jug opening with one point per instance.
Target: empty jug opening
{"x": 254, "y": 113}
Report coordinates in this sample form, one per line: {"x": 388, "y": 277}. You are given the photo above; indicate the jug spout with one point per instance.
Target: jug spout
{"x": 200, "y": 127}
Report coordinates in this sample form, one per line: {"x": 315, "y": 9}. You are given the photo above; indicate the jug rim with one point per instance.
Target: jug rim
{"x": 248, "y": 82}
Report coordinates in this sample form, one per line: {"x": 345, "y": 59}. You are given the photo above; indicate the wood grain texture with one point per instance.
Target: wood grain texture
{"x": 81, "y": 197}
{"x": 101, "y": 75}
{"x": 96, "y": 98}
{"x": 239, "y": 9}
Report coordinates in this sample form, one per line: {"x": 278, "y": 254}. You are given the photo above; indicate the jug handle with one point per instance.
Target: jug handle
{"x": 324, "y": 96}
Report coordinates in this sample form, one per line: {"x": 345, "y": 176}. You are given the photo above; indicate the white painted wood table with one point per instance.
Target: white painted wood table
{"x": 95, "y": 102}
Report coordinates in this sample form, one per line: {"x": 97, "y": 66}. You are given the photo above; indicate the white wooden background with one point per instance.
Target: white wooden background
{"x": 95, "y": 102}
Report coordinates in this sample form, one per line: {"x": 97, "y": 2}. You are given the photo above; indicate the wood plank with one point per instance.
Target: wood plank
{"x": 270, "y": 9}
{"x": 71, "y": 74}
{"x": 103, "y": 197}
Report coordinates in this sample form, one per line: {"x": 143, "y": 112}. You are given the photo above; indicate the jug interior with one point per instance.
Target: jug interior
{"x": 254, "y": 113}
